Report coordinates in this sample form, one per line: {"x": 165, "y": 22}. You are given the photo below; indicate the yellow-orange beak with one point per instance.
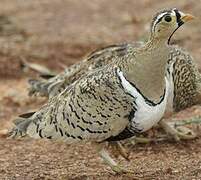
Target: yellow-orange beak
{"x": 187, "y": 17}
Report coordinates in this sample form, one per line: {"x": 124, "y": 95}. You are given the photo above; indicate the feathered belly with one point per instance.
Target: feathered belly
{"x": 147, "y": 113}
{"x": 147, "y": 116}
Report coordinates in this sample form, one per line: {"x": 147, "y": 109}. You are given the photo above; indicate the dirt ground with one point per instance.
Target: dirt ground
{"x": 58, "y": 32}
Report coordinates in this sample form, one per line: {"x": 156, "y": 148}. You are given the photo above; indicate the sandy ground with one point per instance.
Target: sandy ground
{"x": 57, "y": 32}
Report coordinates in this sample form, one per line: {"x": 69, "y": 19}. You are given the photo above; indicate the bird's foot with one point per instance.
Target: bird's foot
{"x": 185, "y": 133}
{"x": 177, "y": 133}
{"x": 120, "y": 170}
{"x": 109, "y": 161}
{"x": 118, "y": 149}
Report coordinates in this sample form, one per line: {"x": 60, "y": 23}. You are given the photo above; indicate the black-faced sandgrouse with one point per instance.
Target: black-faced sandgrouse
{"x": 183, "y": 74}
{"x": 117, "y": 101}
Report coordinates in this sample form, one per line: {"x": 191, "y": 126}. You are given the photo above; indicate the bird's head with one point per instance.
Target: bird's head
{"x": 166, "y": 22}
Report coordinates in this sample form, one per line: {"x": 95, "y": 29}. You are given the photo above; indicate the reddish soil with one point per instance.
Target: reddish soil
{"x": 58, "y": 32}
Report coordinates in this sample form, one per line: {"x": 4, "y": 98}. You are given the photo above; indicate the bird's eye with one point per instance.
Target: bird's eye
{"x": 168, "y": 18}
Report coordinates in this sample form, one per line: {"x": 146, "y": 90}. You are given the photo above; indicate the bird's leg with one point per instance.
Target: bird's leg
{"x": 177, "y": 133}
{"x": 169, "y": 130}
{"x": 108, "y": 160}
{"x": 125, "y": 154}
{"x": 120, "y": 149}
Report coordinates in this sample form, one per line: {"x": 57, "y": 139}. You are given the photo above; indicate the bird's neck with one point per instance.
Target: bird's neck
{"x": 146, "y": 68}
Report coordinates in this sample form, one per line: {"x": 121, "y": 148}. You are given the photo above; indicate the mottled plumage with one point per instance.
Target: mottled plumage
{"x": 84, "y": 111}
{"x": 185, "y": 76}
{"x": 186, "y": 79}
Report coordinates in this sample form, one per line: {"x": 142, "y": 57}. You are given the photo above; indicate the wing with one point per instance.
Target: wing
{"x": 93, "y": 108}
{"x": 96, "y": 59}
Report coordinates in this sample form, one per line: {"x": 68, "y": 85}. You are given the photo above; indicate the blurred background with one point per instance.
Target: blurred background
{"x": 55, "y": 33}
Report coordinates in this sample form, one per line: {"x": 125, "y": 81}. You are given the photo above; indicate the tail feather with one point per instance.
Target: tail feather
{"x": 38, "y": 87}
{"x": 55, "y": 88}
{"x": 21, "y": 124}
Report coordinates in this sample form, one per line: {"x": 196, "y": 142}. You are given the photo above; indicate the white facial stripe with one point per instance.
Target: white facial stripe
{"x": 181, "y": 13}
{"x": 173, "y": 13}
{"x": 158, "y": 17}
